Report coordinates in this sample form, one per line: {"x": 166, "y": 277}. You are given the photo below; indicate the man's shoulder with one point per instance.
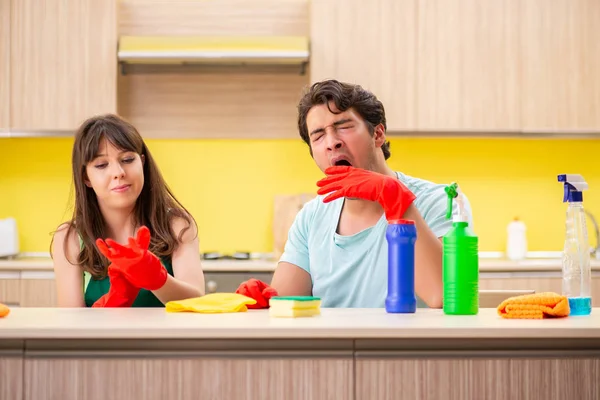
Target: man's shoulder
{"x": 432, "y": 199}
{"x": 421, "y": 186}
{"x": 315, "y": 210}
{"x": 318, "y": 206}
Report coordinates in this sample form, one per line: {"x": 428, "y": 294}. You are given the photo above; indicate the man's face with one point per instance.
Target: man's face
{"x": 342, "y": 139}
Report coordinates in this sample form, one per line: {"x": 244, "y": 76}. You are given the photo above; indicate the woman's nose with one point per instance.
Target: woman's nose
{"x": 118, "y": 171}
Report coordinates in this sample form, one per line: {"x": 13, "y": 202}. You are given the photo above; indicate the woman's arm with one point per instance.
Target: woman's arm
{"x": 68, "y": 277}
{"x": 188, "y": 281}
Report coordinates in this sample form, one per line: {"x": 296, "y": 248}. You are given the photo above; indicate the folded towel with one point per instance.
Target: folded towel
{"x": 212, "y": 303}
{"x": 4, "y": 310}
{"x": 534, "y": 306}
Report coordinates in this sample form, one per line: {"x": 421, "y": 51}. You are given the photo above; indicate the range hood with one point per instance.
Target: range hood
{"x": 179, "y": 50}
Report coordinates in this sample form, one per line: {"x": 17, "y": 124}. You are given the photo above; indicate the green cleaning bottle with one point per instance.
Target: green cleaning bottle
{"x": 460, "y": 261}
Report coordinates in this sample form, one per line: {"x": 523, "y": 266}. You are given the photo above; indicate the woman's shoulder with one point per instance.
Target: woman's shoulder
{"x": 65, "y": 243}
{"x": 184, "y": 227}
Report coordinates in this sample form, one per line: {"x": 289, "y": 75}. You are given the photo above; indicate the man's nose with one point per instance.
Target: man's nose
{"x": 333, "y": 141}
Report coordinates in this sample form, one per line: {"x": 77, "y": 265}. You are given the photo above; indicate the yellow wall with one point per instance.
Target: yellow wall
{"x": 229, "y": 185}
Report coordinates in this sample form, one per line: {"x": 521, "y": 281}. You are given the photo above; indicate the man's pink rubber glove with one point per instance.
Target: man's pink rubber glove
{"x": 344, "y": 181}
{"x": 139, "y": 266}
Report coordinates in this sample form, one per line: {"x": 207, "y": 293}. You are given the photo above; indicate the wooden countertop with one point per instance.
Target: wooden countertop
{"x": 156, "y": 323}
{"x": 45, "y": 264}
{"x": 485, "y": 265}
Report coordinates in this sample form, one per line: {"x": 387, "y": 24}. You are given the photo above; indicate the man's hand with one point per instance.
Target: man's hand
{"x": 343, "y": 181}
{"x": 257, "y": 290}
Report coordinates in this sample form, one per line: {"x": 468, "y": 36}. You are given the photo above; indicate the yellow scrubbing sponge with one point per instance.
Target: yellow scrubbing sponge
{"x": 294, "y": 306}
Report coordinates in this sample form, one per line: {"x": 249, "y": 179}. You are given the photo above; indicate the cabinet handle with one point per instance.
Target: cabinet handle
{"x": 211, "y": 287}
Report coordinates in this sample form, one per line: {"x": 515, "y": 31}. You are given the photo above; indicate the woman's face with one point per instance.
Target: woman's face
{"x": 116, "y": 176}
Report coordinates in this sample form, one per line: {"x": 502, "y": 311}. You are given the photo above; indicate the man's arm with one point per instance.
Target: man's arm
{"x": 291, "y": 280}
{"x": 292, "y": 275}
{"x": 428, "y": 261}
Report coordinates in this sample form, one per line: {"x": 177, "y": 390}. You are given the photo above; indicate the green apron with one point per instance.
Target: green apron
{"x": 96, "y": 288}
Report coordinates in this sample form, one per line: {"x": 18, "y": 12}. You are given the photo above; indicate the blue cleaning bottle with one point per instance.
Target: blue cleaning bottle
{"x": 401, "y": 236}
{"x": 576, "y": 271}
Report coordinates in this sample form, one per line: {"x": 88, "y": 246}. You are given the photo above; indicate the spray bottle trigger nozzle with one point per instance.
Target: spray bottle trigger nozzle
{"x": 452, "y": 192}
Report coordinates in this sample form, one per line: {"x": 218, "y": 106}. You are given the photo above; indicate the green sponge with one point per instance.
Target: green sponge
{"x": 294, "y": 306}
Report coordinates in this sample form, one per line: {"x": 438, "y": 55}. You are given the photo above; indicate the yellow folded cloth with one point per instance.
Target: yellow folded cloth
{"x": 534, "y": 306}
{"x": 212, "y": 303}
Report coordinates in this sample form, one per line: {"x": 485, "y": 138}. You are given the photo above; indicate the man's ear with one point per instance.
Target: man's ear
{"x": 379, "y": 135}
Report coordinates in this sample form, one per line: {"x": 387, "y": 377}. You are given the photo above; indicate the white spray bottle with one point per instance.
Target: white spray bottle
{"x": 576, "y": 271}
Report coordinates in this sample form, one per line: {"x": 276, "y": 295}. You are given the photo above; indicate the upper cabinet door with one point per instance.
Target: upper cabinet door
{"x": 468, "y": 65}
{"x": 371, "y": 43}
{"x": 561, "y": 65}
{"x": 63, "y": 62}
{"x": 4, "y": 64}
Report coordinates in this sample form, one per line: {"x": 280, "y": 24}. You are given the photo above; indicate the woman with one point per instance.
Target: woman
{"x": 118, "y": 190}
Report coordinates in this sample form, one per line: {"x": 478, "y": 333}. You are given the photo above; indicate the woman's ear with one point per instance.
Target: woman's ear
{"x": 143, "y": 157}
{"x": 86, "y": 180}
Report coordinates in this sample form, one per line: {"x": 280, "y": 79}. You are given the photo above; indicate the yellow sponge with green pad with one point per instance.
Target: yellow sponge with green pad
{"x": 294, "y": 306}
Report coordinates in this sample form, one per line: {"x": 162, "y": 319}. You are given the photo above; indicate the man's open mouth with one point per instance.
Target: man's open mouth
{"x": 342, "y": 162}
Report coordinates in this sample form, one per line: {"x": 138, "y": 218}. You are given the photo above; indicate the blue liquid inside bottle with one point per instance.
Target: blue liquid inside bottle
{"x": 580, "y": 305}
{"x": 401, "y": 236}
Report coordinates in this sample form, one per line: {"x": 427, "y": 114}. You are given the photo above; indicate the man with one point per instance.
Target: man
{"x": 336, "y": 247}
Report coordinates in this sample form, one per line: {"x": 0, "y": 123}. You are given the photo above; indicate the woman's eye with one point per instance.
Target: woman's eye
{"x": 128, "y": 160}
{"x": 100, "y": 166}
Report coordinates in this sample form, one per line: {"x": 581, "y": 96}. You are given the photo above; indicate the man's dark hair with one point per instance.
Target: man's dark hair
{"x": 344, "y": 96}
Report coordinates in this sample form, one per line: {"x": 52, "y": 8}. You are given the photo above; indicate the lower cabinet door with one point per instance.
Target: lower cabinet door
{"x": 218, "y": 377}
{"x": 477, "y": 378}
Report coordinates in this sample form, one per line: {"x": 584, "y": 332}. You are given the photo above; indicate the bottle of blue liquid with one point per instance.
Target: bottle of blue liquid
{"x": 576, "y": 271}
{"x": 401, "y": 236}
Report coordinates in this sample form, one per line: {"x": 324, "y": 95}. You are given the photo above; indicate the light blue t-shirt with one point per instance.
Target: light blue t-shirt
{"x": 351, "y": 271}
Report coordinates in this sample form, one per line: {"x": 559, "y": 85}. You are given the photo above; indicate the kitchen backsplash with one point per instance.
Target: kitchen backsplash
{"x": 230, "y": 185}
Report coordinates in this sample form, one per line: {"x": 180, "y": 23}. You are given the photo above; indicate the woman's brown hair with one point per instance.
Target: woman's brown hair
{"x": 156, "y": 206}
